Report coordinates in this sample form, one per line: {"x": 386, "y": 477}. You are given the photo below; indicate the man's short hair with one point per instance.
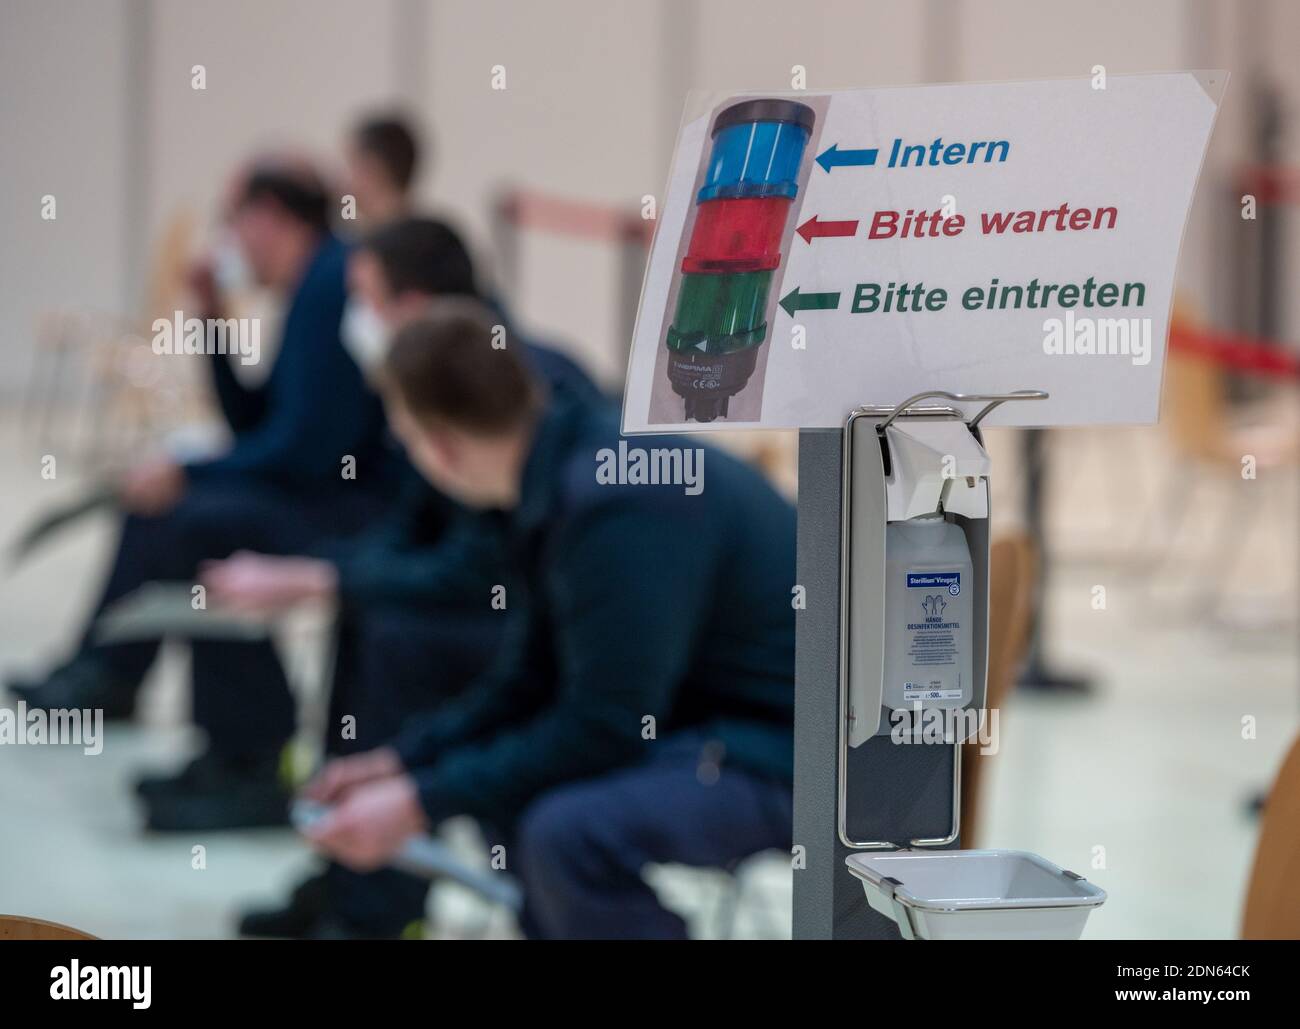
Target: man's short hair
{"x": 297, "y": 192}
{"x": 422, "y": 255}
{"x": 390, "y": 140}
{"x": 443, "y": 368}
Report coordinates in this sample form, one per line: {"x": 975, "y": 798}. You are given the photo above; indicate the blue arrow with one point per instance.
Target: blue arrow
{"x": 835, "y": 157}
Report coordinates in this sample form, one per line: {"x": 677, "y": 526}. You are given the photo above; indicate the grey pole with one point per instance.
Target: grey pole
{"x": 895, "y": 792}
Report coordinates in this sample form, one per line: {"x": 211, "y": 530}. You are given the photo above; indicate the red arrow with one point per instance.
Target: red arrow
{"x": 812, "y": 227}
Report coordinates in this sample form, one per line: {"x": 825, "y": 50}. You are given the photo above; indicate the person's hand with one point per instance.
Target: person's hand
{"x": 371, "y": 824}
{"x": 258, "y": 583}
{"x": 344, "y": 774}
{"x": 152, "y": 488}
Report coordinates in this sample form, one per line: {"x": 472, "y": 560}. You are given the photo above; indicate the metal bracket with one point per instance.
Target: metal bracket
{"x": 995, "y": 400}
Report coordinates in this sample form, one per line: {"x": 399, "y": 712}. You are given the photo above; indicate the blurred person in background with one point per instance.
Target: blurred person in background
{"x": 642, "y": 709}
{"x": 310, "y": 459}
{"x": 395, "y": 273}
{"x": 383, "y": 160}
{"x": 413, "y": 627}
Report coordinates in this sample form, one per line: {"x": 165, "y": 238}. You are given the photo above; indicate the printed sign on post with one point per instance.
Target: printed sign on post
{"x": 818, "y": 252}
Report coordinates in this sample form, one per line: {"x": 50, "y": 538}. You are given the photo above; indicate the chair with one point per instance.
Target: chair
{"x": 16, "y": 927}
{"x": 94, "y": 378}
{"x": 1209, "y": 436}
{"x": 1272, "y": 900}
{"x": 1012, "y": 565}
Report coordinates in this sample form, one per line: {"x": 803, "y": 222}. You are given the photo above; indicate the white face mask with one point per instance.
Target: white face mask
{"x": 230, "y": 268}
{"x": 364, "y": 335}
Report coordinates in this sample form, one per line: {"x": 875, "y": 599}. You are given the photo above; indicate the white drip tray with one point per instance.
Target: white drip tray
{"x": 976, "y": 894}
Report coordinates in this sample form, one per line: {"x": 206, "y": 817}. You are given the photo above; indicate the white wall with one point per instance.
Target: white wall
{"x": 63, "y": 119}
{"x": 583, "y": 116}
{"x": 282, "y": 73}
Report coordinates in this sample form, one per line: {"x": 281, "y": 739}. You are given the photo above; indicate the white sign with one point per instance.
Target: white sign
{"x": 818, "y": 252}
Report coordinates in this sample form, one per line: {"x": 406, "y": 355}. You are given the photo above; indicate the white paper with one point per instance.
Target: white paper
{"x": 1135, "y": 146}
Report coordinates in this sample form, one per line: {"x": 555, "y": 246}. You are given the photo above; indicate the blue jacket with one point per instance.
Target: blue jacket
{"x": 630, "y": 602}
{"x": 314, "y": 409}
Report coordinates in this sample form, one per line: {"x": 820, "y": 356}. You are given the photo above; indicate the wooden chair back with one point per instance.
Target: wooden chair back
{"x": 17, "y": 927}
{"x": 1272, "y": 896}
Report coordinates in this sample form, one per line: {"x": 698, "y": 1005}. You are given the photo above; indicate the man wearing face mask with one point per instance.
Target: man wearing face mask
{"x": 393, "y": 275}
{"x": 309, "y": 460}
{"x": 414, "y": 628}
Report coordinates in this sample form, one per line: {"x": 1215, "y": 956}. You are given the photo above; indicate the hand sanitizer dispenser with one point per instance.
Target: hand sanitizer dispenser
{"x": 914, "y": 614}
{"x": 929, "y": 580}
{"x": 915, "y": 582}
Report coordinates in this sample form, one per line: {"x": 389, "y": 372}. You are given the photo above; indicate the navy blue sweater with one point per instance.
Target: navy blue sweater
{"x": 629, "y": 601}
{"x": 314, "y": 409}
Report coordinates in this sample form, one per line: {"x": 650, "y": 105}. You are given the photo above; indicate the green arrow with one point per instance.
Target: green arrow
{"x": 796, "y": 301}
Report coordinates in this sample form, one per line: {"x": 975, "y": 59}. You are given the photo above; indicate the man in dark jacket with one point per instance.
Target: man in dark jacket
{"x": 643, "y": 712}
{"x": 310, "y": 459}
{"x": 411, "y": 632}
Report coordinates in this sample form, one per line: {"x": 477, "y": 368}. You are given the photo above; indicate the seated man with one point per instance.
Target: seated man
{"x": 383, "y": 160}
{"x": 643, "y": 712}
{"x": 412, "y": 630}
{"x": 310, "y": 460}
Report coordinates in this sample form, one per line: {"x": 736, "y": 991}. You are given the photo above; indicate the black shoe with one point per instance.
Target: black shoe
{"x": 307, "y": 904}
{"x": 1042, "y": 680}
{"x": 205, "y": 773}
{"x": 226, "y": 795}
{"x": 330, "y": 926}
{"x": 84, "y": 682}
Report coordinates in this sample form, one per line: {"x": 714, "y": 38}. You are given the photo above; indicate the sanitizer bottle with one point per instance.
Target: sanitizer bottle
{"x": 928, "y": 614}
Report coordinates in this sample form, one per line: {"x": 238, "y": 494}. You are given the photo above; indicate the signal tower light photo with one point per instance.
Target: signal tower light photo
{"x": 742, "y": 209}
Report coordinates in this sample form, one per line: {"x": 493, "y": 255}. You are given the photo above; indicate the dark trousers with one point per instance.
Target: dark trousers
{"x": 393, "y": 664}
{"x": 580, "y": 849}
{"x": 241, "y": 694}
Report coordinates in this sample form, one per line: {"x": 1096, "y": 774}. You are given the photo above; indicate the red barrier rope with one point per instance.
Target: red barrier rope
{"x": 1272, "y": 184}
{"x": 560, "y": 215}
{"x": 1241, "y": 353}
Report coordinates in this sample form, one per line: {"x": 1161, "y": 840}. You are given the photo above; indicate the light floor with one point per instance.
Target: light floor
{"x": 1141, "y": 787}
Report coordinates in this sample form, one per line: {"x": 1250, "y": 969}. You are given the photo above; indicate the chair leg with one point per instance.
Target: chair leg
{"x": 1228, "y": 544}
{"x": 1165, "y": 524}
{"x": 1246, "y": 517}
